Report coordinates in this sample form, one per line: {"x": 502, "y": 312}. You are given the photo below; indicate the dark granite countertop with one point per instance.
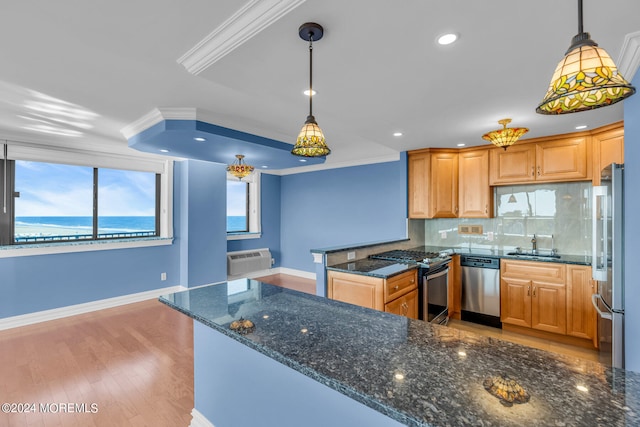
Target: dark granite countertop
{"x": 414, "y": 372}
{"x": 373, "y": 267}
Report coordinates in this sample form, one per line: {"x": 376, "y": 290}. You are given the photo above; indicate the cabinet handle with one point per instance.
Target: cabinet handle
{"x": 538, "y": 170}
{"x": 396, "y": 287}
{"x": 533, "y": 173}
{"x": 456, "y": 210}
{"x": 486, "y": 208}
{"x": 534, "y": 291}
{"x": 528, "y": 290}
{"x": 405, "y": 308}
{"x": 412, "y": 281}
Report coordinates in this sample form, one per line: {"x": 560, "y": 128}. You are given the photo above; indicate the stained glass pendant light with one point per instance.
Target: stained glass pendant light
{"x": 311, "y": 142}
{"x": 585, "y": 79}
{"x": 239, "y": 168}
{"x": 506, "y": 136}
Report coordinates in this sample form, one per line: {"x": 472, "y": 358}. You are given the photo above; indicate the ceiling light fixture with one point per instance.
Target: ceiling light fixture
{"x": 585, "y": 79}
{"x": 307, "y": 92}
{"x": 397, "y": 134}
{"x": 239, "y": 168}
{"x": 199, "y": 139}
{"x": 504, "y": 137}
{"x": 311, "y": 142}
{"x": 446, "y": 39}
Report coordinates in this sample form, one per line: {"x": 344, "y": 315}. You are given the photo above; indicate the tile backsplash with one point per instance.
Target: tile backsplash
{"x": 560, "y": 210}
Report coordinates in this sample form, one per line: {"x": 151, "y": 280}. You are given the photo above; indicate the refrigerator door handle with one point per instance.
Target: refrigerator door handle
{"x": 599, "y": 234}
{"x": 594, "y": 301}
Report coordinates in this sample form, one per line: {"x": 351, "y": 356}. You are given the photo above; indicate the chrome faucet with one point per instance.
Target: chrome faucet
{"x": 534, "y": 244}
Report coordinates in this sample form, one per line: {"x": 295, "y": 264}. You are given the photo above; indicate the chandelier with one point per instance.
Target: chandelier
{"x": 585, "y": 79}
{"x": 310, "y": 141}
{"x": 506, "y": 136}
{"x": 239, "y": 168}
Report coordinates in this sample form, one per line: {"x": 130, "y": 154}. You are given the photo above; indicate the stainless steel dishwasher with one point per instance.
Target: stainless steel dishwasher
{"x": 481, "y": 290}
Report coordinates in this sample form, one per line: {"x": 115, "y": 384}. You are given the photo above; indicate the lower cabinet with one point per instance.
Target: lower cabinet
{"x": 397, "y": 294}
{"x": 533, "y": 295}
{"x": 549, "y": 297}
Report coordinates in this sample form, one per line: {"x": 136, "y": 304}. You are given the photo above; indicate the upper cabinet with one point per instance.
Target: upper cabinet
{"x": 433, "y": 183}
{"x": 608, "y": 147}
{"x": 542, "y": 160}
{"x": 475, "y": 197}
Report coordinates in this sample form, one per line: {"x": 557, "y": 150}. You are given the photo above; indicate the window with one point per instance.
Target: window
{"x": 58, "y": 202}
{"x": 243, "y": 207}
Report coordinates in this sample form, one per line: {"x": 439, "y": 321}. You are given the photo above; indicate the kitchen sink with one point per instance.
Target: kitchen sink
{"x": 534, "y": 255}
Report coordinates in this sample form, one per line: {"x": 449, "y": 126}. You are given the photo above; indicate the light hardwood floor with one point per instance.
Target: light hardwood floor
{"x": 134, "y": 362}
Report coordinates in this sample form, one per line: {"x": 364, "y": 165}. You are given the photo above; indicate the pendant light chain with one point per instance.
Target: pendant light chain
{"x": 311, "y": 74}
{"x": 4, "y": 190}
{"x": 580, "y": 26}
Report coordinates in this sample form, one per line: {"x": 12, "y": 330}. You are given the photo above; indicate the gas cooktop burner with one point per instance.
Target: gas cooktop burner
{"x": 411, "y": 255}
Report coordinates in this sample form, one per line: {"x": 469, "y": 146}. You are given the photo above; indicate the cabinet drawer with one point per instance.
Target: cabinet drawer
{"x": 548, "y": 271}
{"x": 399, "y": 285}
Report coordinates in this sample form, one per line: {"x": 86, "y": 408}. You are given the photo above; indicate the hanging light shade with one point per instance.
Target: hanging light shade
{"x": 506, "y": 136}
{"x": 310, "y": 141}
{"x": 239, "y": 168}
{"x": 585, "y": 79}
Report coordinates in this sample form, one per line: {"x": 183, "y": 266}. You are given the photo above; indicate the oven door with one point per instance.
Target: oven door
{"x": 435, "y": 294}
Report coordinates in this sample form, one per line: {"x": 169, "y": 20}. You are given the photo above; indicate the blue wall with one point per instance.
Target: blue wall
{"x": 270, "y": 211}
{"x": 341, "y": 206}
{"x": 632, "y": 228}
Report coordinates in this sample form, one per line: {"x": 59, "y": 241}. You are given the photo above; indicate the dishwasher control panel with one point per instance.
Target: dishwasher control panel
{"x": 479, "y": 261}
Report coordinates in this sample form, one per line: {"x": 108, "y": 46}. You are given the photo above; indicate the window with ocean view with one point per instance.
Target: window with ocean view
{"x": 243, "y": 207}
{"x": 56, "y": 202}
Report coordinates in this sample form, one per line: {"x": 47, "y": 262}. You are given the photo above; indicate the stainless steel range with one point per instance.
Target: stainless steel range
{"x": 434, "y": 271}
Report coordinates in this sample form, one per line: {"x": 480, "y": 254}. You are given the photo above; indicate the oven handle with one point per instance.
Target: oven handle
{"x": 438, "y": 272}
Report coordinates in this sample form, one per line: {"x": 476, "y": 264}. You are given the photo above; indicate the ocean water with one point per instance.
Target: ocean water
{"x": 236, "y": 223}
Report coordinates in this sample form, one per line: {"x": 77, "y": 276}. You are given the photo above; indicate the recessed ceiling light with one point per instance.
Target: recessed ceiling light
{"x": 264, "y": 166}
{"x": 199, "y": 139}
{"x": 446, "y": 39}
{"x": 303, "y": 160}
{"x": 306, "y": 92}
{"x": 462, "y": 144}
{"x": 581, "y": 127}
{"x": 164, "y": 150}
{"x": 397, "y": 134}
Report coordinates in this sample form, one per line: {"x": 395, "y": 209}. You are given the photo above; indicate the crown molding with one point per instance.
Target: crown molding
{"x": 157, "y": 115}
{"x": 630, "y": 56}
{"x": 253, "y": 17}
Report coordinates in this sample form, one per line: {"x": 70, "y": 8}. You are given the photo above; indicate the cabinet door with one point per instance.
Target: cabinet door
{"x": 514, "y": 165}
{"x": 400, "y": 284}
{"x": 582, "y": 320}
{"x": 567, "y": 159}
{"x": 475, "y": 195}
{"x": 608, "y": 147}
{"x": 548, "y": 307}
{"x": 418, "y": 169}
{"x": 515, "y": 301}
{"x": 444, "y": 185}
{"x": 406, "y": 305}
{"x": 356, "y": 289}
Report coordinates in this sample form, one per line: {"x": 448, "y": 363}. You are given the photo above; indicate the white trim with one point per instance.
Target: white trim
{"x": 244, "y": 236}
{"x": 72, "y": 310}
{"x": 67, "y": 247}
{"x": 318, "y": 258}
{"x": 630, "y": 56}
{"x": 253, "y": 17}
{"x": 326, "y": 166}
{"x": 199, "y": 420}
{"x": 156, "y": 116}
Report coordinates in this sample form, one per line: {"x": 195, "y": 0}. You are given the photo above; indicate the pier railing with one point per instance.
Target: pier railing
{"x": 75, "y": 237}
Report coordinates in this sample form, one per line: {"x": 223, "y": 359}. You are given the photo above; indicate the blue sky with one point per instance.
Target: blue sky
{"x": 236, "y": 198}
{"x": 48, "y": 189}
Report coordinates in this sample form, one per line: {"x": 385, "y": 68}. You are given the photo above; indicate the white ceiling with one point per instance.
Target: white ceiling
{"x": 377, "y": 70}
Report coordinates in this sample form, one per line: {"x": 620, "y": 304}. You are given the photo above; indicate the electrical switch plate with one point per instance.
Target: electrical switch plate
{"x": 351, "y": 256}
{"x": 163, "y": 276}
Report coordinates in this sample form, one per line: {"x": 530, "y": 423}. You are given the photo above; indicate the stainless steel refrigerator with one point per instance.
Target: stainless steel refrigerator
{"x": 608, "y": 263}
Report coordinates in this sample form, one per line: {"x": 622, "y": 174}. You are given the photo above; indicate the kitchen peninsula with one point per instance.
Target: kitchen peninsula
{"x": 344, "y": 365}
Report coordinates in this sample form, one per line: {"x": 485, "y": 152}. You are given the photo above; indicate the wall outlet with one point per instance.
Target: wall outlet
{"x": 163, "y": 276}
{"x": 351, "y": 255}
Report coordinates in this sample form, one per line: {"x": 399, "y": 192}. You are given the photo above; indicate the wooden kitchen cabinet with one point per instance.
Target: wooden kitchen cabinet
{"x": 608, "y": 147}
{"x": 475, "y": 196}
{"x": 406, "y": 305}
{"x": 582, "y": 318}
{"x": 533, "y": 295}
{"x": 553, "y": 159}
{"x": 394, "y": 294}
{"x": 433, "y": 183}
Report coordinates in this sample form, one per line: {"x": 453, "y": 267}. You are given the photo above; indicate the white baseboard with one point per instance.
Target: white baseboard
{"x": 72, "y": 310}
{"x": 199, "y": 420}
{"x": 277, "y": 270}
